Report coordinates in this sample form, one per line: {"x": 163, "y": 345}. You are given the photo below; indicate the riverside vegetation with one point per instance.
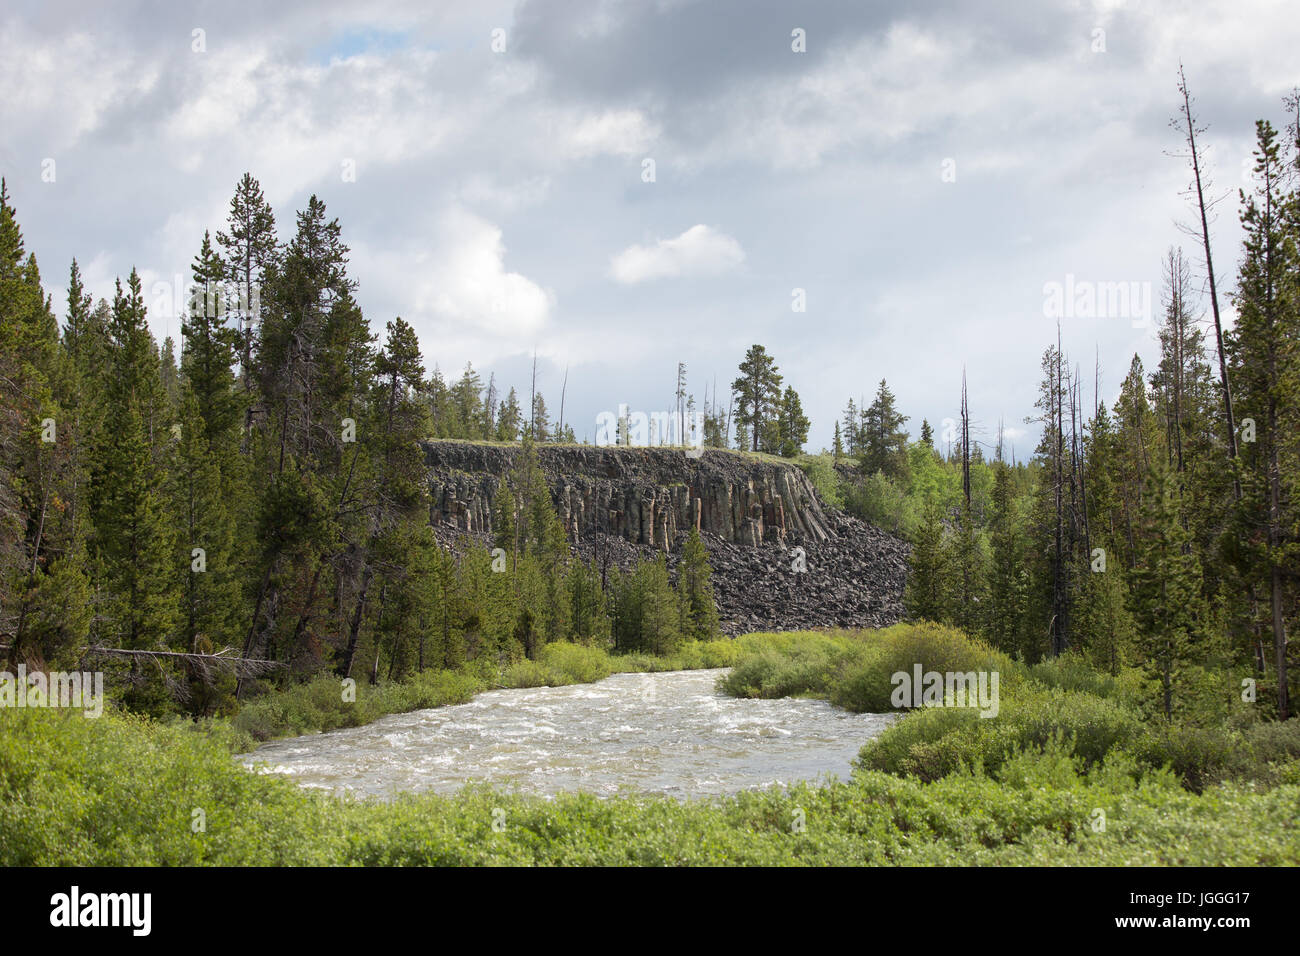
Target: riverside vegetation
{"x": 1070, "y": 772}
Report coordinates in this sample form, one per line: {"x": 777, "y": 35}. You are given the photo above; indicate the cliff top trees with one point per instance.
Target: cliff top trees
{"x": 883, "y": 441}
{"x": 792, "y": 425}
{"x": 467, "y": 405}
{"x": 852, "y": 433}
{"x": 758, "y": 395}
{"x": 509, "y": 418}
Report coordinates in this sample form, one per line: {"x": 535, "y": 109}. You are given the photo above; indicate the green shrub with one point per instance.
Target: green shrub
{"x": 1092, "y": 717}
{"x": 1274, "y": 741}
{"x": 790, "y": 665}
{"x": 690, "y": 655}
{"x": 319, "y": 705}
{"x": 1071, "y": 672}
{"x": 576, "y": 663}
{"x": 879, "y": 499}
{"x": 937, "y": 741}
{"x": 821, "y": 472}
{"x": 1198, "y": 755}
{"x": 527, "y": 674}
{"x": 123, "y": 790}
{"x": 721, "y": 652}
{"x": 868, "y": 685}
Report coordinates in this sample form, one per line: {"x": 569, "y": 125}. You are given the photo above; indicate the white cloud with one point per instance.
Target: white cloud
{"x": 613, "y": 132}
{"x": 700, "y": 250}
{"x": 458, "y": 294}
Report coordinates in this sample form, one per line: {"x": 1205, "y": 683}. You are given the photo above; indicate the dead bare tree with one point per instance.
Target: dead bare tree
{"x": 1185, "y": 124}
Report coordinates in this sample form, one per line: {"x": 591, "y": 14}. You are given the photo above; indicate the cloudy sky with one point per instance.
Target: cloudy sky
{"x": 625, "y": 185}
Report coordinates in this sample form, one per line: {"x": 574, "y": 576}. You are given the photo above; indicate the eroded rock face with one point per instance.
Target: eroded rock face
{"x": 647, "y": 495}
{"x": 756, "y": 518}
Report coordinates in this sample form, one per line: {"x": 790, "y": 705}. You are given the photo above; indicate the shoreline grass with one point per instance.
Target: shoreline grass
{"x": 1069, "y": 773}
{"x": 128, "y": 791}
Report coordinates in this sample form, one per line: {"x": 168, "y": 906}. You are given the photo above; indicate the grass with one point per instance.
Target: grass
{"x": 1091, "y": 717}
{"x": 127, "y": 791}
{"x": 1070, "y": 772}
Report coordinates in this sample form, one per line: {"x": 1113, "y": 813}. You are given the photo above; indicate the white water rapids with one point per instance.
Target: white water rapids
{"x": 669, "y": 733}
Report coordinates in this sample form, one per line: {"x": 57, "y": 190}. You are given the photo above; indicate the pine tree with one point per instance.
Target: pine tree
{"x": 758, "y": 396}
{"x": 852, "y": 429}
{"x": 133, "y": 538}
{"x": 467, "y": 406}
{"x": 1103, "y": 626}
{"x": 884, "y": 443}
{"x": 251, "y": 252}
{"x": 170, "y": 377}
{"x": 509, "y": 418}
{"x": 660, "y": 617}
{"x": 793, "y": 425}
{"x": 590, "y": 617}
{"x": 305, "y": 343}
{"x": 210, "y": 350}
{"x": 539, "y": 423}
{"x": 1136, "y": 450}
{"x": 927, "y": 579}
{"x": 1166, "y": 596}
{"x": 1264, "y": 348}
{"x": 1007, "y": 581}
{"x": 207, "y": 578}
{"x": 393, "y": 497}
{"x": 966, "y": 580}
{"x": 40, "y": 468}
{"x": 698, "y": 617}
{"x": 529, "y": 531}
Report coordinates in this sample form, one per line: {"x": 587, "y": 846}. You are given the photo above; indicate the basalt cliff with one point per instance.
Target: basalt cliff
{"x": 781, "y": 558}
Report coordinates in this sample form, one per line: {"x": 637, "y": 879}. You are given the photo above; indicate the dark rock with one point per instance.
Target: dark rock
{"x": 622, "y": 504}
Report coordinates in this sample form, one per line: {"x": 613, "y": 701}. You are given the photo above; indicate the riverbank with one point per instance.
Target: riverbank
{"x": 1096, "y": 721}
{"x": 1071, "y": 771}
{"x": 124, "y": 791}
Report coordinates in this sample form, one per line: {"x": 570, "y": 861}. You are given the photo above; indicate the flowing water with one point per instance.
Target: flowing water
{"x": 669, "y": 733}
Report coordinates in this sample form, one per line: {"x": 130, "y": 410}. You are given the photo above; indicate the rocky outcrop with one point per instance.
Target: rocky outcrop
{"x": 646, "y": 495}
{"x": 781, "y": 559}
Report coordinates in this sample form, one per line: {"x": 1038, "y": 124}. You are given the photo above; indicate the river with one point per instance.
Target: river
{"x": 670, "y": 733}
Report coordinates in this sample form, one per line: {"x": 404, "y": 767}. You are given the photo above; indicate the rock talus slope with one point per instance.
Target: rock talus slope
{"x": 781, "y": 559}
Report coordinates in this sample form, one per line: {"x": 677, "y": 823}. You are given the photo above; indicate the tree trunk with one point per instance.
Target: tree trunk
{"x": 354, "y": 629}
{"x": 1209, "y": 268}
